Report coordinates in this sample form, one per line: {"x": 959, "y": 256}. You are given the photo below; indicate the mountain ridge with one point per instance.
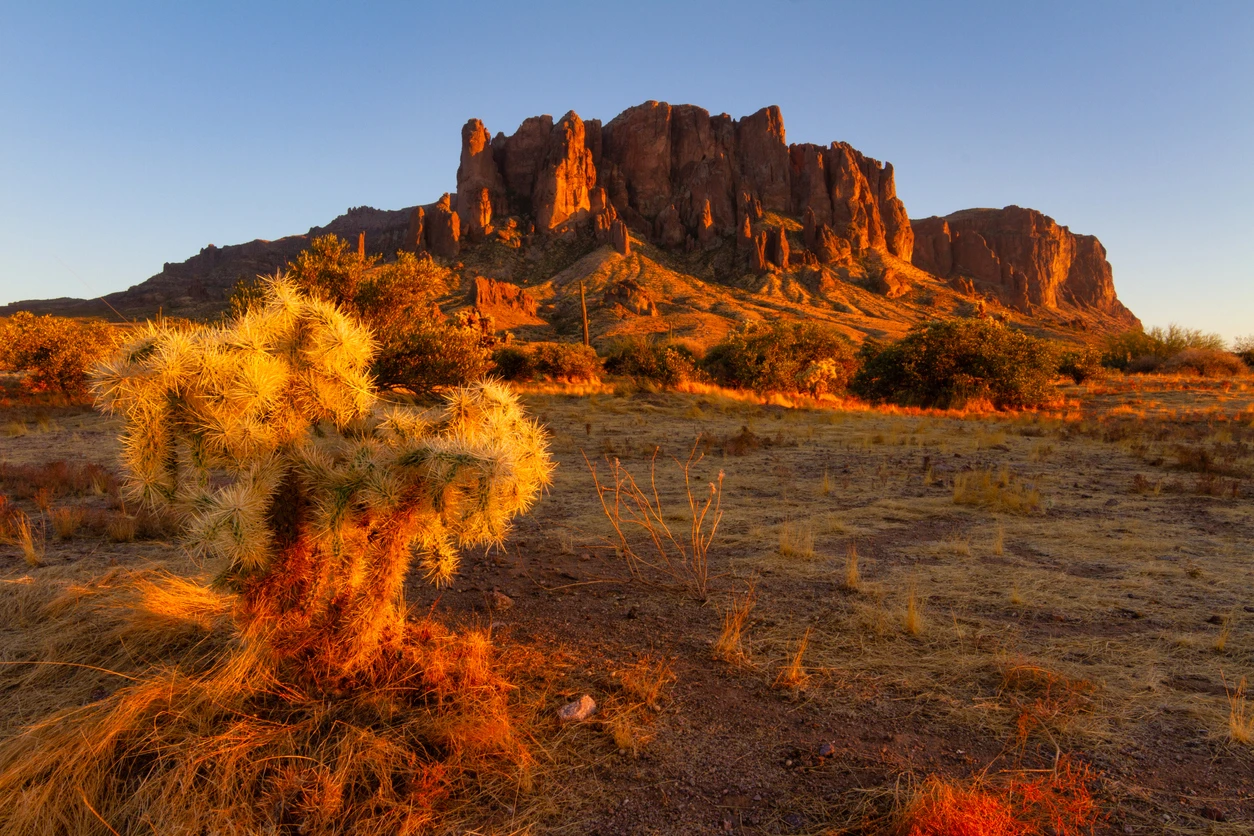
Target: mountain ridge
{"x": 699, "y": 205}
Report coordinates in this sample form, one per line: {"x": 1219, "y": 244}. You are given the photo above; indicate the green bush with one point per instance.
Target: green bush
{"x": 949, "y": 364}
{"x": 418, "y": 348}
{"x": 783, "y": 357}
{"x": 1205, "y": 362}
{"x": 1138, "y": 350}
{"x": 513, "y": 363}
{"x": 55, "y": 353}
{"x": 665, "y": 363}
{"x": 1081, "y": 364}
{"x": 570, "y": 362}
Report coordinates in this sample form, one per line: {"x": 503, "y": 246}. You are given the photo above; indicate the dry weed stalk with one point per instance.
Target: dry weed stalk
{"x": 646, "y": 679}
{"x": 729, "y": 647}
{"x": 643, "y": 536}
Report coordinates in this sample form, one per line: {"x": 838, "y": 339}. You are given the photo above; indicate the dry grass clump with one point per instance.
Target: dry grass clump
{"x": 237, "y": 749}
{"x": 1044, "y": 700}
{"x": 645, "y": 680}
{"x": 853, "y": 579}
{"x": 729, "y": 647}
{"x": 913, "y": 622}
{"x": 67, "y": 521}
{"x": 794, "y": 676}
{"x": 1240, "y": 717}
{"x": 1059, "y": 803}
{"x": 1000, "y": 491}
{"x": 796, "y": 539}
{"x": 54, "y": 480}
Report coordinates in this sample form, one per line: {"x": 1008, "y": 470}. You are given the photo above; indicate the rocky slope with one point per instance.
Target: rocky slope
{"x": 676, "y": 218}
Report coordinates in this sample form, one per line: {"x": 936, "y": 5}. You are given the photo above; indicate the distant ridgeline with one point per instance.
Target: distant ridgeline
{"x": 674, "y": 221}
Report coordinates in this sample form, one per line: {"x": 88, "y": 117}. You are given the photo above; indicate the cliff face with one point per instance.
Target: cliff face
{"x": 1022, "y": 256}
{"x": 680, "y": 177}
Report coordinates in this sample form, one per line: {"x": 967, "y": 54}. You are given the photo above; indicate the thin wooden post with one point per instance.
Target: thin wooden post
{"x": 583, "y": 306}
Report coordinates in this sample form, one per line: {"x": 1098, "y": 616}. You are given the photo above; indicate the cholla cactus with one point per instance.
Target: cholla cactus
{"x": 313, "y": 496}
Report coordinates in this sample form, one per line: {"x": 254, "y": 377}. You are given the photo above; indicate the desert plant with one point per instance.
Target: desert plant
{"x": 570, "y": 362}
{"x": 949, "y": 364}
{"x": 793, "y": 676}
{"x": 1243, "y": 347}
{"x": 664, "y": 363}
{"x": 1204, "y": 362}
{"x": 417, "y": 347}
{"x": 312, "y": 498}
{"x": 1081, "y": 364}
{"x": 326, "y": 492}
{"x": 782, "y": 357}
{"x": 641, "y": 533}
{"x": 55, "y": 353}
{"x": 1137, "y": 350}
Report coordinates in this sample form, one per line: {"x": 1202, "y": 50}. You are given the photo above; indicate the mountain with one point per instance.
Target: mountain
{"x": 673, "y": 220}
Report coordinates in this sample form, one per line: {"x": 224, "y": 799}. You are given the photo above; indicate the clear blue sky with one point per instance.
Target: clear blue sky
{"x": 136, "y": 134}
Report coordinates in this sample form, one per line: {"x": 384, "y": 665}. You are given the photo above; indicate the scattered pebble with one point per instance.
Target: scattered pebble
{"x": 826, "y": 750}
{"x": 500, "y": 601}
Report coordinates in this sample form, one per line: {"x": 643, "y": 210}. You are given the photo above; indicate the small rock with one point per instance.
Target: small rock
{"x": 585, "y": 556}
{"x": 1214, "y": 814}
{"x": 500, "y": 601}
{"x": 577, "y": 711}
{"x": 826, "y": 750}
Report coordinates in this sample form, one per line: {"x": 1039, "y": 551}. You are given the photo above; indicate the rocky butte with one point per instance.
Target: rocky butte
{"x": 699, "y": 209}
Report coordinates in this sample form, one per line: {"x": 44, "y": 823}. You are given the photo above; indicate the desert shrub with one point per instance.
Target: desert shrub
{"x": 512, "y": 362}
{"x": 948, "y": 364}
{"x": 1081, "y": 364}
{"x": 1137, "y": 350}
{"x": 55, "y": 353}
{"x": 418, "y": 348}
{"x": 1205, "y": 362}
{"x": 564, "y": 361}
{"x": 782, "y": 357}
{"x": 311, "y": 499}
{"x": 665, "y": 363}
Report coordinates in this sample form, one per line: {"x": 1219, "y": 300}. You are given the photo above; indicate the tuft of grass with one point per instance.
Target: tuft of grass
{"x": 66, "y": 522}
{"x": 825, "y": 486}
{"x": 796, "y": 539}
{"x": 794, "y": 676}
{"x": 1225, "y": 631}
{"x": 914, "y": 623}
{"x": 32, "y": 548}
{"x": 1240, "y": 717}
{"x": 122, "y": 528}
{"x": 646, "y": 679}
{"x": 999, "y": 491}
{"x": 852, "y": 577}
{"x": 729, "y": 647}
{"x": 1059, "y": 801}
{"x": 15, "y": 429}
{"x": 999, "y": 540}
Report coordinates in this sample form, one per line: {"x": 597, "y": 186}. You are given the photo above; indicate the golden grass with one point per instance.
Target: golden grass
{"x": 31, "y": 544}
{"x": 1000, "y": 491}
{"x": 729, "y": 646}
{"x": 794, "y": 675}
{"x": 852, "y": 577}
{"x": 67, "y": 521}
{"x": 646, "y": 680}
{"x": 222, "y": 740}
{"x": 796, "y": 539}
{"x": 913, "y": 622}
{"x": 1240, "y": 715}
